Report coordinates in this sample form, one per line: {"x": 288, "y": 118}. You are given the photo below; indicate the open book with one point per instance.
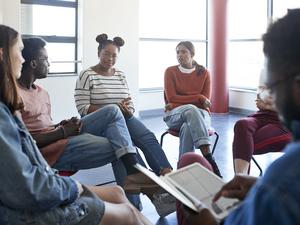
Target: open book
{"x": 194, "y": 186}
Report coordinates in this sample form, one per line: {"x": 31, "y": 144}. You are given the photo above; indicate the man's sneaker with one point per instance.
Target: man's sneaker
{"x": 213, "y": 164}
{"x": 164, "y": 203}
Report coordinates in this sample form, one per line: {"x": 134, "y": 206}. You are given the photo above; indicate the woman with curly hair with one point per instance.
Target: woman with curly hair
{"x": 103, "y": 84}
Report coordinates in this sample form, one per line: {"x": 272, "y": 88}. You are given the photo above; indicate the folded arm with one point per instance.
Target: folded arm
{"x": 200, "y": 99}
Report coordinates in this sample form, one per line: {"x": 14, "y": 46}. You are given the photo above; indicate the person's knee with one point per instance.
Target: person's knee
{"x": 190, "y": 107}
{"x": 190, "y": 111}
{"x": 119, "y": 194}
{"x": 113, "y": 110}
{"x": 190, "y": 158}
{"x": 241, "y": 125}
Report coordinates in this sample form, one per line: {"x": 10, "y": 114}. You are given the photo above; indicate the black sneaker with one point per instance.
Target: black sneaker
{"x": 213, "y": 163}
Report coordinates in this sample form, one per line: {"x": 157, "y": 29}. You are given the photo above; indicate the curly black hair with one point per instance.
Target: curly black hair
{"x": 103, "y": 40}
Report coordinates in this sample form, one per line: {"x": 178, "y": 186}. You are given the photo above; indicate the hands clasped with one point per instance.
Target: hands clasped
{"x": 124, "y": 107}
{"x": 71, "y": 127}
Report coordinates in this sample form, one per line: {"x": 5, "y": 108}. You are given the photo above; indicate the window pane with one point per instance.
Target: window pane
{"x": 247, "y": 19}
{"x": 280, "y": 7}
{"x": 245, "y": 62}
{"x": 156, "y": 56}
{"x": 47, "y": 20}
{"x": 61, "y": 52}
{"x": 173, "y": 19}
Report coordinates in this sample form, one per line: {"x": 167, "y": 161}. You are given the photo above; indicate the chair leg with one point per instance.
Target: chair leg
{"x": 162, "y": 138}
{"x": 256, "y": 163}
{"x": 215, "y": 144}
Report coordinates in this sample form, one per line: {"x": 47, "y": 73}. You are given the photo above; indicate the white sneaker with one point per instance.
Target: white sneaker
{"x": 164, "y": 203}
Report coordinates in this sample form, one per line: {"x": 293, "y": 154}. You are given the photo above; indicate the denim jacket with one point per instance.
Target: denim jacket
{"x": 275, "y": 199}
{"x": 28, "y": 186}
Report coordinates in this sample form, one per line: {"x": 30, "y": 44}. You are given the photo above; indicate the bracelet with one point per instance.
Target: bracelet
{"x": 63, "y": 131}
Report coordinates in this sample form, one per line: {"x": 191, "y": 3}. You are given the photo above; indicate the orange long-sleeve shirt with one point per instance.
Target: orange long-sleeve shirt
{"x": 186, "y": 88}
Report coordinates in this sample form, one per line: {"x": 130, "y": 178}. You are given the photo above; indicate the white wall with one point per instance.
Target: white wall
{"x": 10, "y": 11}
{"x": 242, "y": 100}
{"x": 1, "y": 7}
{"x": 61, "y": 91}
{"x": 116, "y": 18}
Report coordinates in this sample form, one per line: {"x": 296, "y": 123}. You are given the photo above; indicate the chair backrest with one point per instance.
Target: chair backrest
{"x": 281, "y": 140}
{"x": 271, "y": 144}
{"x": 271, "y": 138}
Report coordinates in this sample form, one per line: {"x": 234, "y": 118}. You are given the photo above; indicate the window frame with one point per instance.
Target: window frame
{"x": 59, "y": 39}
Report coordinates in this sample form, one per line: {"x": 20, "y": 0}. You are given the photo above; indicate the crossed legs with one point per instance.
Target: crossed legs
{"x": 193, "y": 124}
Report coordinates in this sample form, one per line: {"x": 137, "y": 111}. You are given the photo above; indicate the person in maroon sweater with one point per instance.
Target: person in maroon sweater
{"x": 187, "y": 93}
{"x": 253, "y": 134}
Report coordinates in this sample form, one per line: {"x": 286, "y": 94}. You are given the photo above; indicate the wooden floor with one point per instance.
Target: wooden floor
{"x": 223, "y": 124}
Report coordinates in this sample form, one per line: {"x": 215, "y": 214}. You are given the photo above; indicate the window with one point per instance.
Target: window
{"x": 162, "y": 25}
{"x": 156, "y": 56}
{"x": 280, "y": 7}
{"x": 245, "y": 62}
{"x": 56, "y": 22}
{"x": 247, "y": 23}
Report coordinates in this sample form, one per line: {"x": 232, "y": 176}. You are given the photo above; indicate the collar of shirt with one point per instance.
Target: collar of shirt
{"x": 185, "y": 70}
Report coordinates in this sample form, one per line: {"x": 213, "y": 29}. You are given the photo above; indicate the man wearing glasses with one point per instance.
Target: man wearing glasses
{"x": 275, "y": 198}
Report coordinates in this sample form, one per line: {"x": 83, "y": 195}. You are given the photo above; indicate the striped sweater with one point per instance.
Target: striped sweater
{"x": 96, "y": 89}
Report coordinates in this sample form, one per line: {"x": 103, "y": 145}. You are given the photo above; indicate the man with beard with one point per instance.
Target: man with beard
{"x": 274, "y": 198}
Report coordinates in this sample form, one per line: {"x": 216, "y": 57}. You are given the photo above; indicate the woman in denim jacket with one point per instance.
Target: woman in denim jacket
{"x": 31, "y": 192}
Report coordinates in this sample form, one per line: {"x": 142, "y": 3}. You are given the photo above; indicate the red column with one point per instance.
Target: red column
{"x": 218, "y": 44}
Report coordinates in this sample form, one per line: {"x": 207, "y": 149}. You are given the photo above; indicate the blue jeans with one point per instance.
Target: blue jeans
{"x": 104, "y": 139}
{"x": 192, "y": 123}
{"x": 145, "y": 140}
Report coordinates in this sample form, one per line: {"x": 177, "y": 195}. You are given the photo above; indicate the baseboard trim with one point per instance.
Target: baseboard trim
{"x": 240, "y": 111}
{"x": 151, "y": 113}
{"x": 160, "y": 112}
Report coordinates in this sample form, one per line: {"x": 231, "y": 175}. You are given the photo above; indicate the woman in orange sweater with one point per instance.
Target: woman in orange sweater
{"x": 187, "y": 93}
